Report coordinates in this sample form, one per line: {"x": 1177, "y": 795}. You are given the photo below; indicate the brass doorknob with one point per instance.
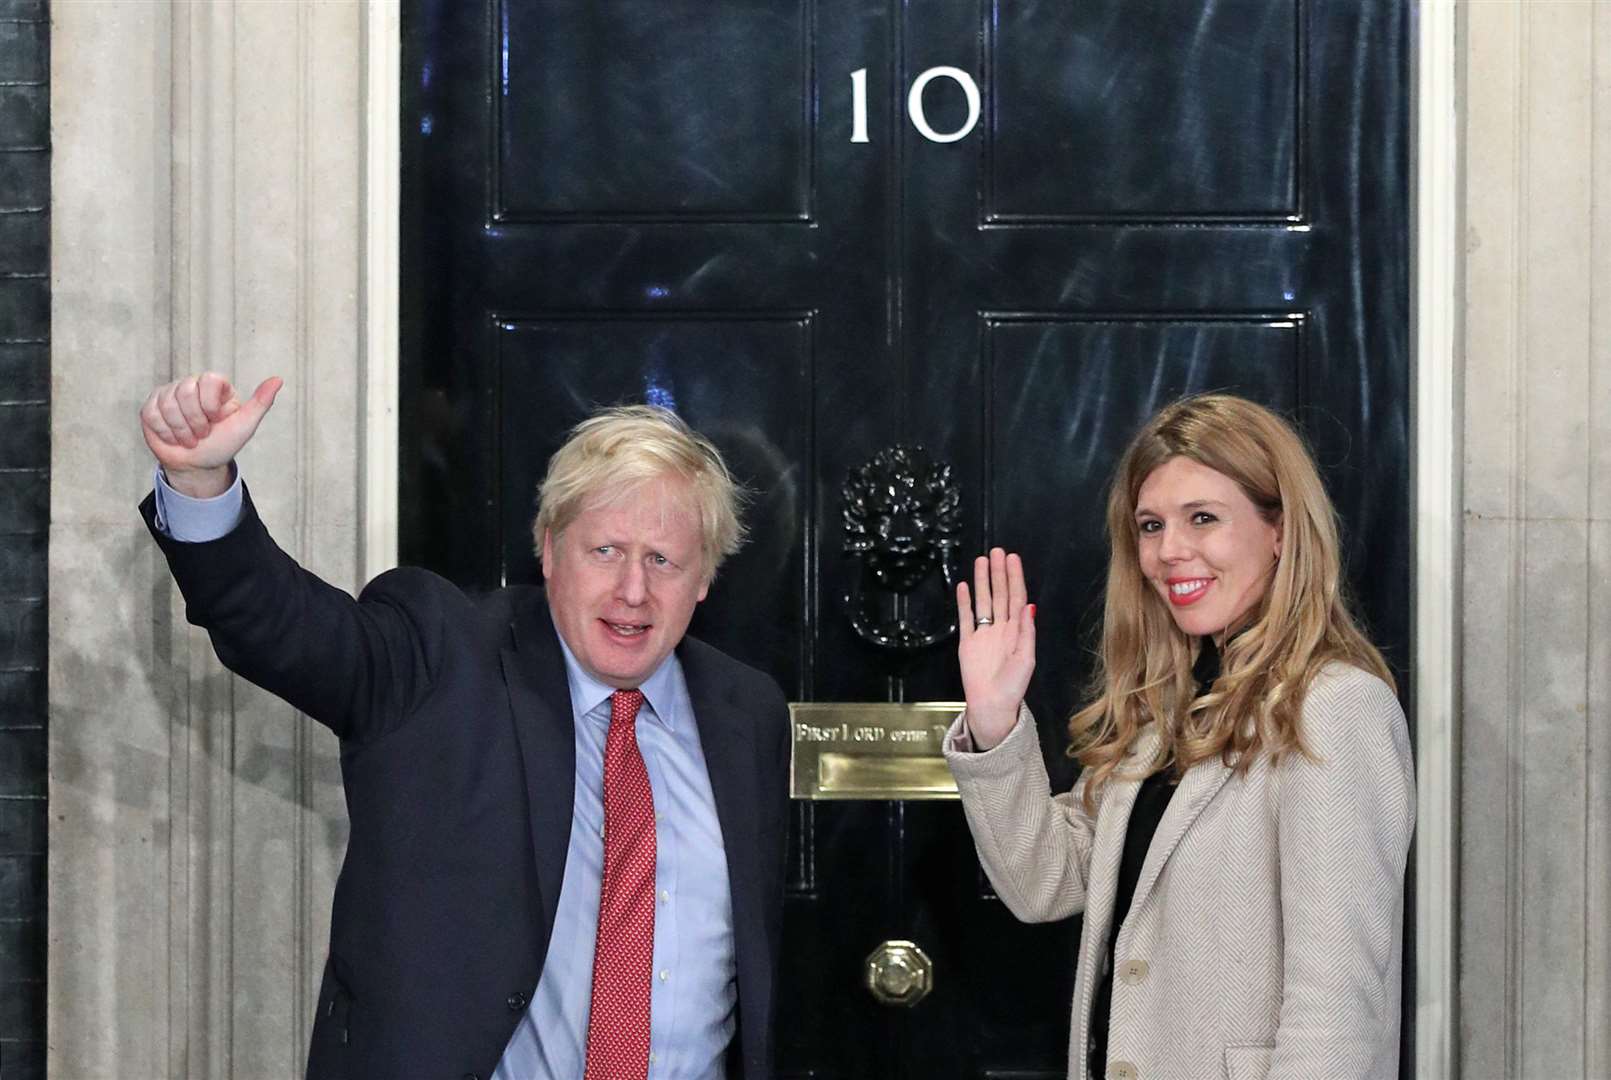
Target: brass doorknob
{"x": 899, "y": 973}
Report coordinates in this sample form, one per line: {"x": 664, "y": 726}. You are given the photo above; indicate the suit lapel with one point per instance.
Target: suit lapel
{"x": 726, "y": 733}
{"x": 725, "y": 736}
{"x": 539, "y": 696}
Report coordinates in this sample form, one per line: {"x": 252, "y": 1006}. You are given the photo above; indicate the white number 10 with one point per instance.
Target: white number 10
{"x": 914, "y": 103}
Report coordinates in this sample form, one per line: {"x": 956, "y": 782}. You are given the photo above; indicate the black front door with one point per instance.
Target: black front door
{"x": 740, "y": 211}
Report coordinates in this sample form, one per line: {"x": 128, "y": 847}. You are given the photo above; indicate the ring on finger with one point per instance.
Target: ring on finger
{"x": 984, "y": 620}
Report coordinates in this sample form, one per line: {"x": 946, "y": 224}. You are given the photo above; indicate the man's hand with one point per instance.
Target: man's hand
{"x": 197, "y": 425}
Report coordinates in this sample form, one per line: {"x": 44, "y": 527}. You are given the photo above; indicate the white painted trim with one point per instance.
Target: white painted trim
{"x": 383, "y": 42}
{"x": 1437, "y": 458}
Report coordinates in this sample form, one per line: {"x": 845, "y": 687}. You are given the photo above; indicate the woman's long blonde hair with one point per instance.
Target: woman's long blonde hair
{"x": 1298, "y": 625}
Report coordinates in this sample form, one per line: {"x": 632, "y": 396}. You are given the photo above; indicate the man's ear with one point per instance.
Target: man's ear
{"x": 706, "y": 577}
{"x": 548, "y": 552}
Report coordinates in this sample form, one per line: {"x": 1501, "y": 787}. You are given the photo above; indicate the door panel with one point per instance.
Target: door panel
{"x": 668, "y": 111}
{"x": 1142, "y": 110}
{"x": 659, "y": 200}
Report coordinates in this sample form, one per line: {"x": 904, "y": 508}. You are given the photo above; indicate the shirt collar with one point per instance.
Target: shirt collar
{"x": 587, "y": 693}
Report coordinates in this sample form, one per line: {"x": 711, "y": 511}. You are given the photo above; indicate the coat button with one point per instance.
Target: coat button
{"x": 1122, "y": 1070}
{"x": 1134, "y": 972}
{"x": 516, "y": 1001}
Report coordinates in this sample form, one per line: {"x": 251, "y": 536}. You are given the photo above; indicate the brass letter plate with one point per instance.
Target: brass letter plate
{"x": 865, "y": 750}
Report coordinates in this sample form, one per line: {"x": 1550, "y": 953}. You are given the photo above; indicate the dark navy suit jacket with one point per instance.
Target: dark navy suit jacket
{"x": 457, "y": 758}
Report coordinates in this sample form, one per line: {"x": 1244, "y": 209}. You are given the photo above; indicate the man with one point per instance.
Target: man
{"x": 568, "y": 819}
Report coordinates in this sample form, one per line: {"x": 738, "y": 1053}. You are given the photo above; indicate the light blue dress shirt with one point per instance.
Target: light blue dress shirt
{"x": 694, "y": 996}
{"x": 195, "y": 521}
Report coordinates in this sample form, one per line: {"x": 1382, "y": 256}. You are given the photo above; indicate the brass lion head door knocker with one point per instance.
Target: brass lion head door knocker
{"x": 902, "y": 516}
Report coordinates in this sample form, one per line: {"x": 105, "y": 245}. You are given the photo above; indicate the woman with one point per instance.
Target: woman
{"x": 1237, "y": 838}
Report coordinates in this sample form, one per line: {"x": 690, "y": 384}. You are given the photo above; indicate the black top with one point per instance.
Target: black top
{"x": 1151, "y": 801}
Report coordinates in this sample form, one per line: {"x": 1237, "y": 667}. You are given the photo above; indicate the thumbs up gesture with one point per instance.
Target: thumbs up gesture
{"x": 197, "y": 425}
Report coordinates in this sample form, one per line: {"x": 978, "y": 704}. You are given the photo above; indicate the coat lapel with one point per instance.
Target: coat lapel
{"x": 1197, "y": 789}
{"x": 1112, "y": 823}
{"x": 539, "y": 696}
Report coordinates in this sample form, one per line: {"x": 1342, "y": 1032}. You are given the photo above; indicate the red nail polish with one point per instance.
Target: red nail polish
{"x": 1031, "y": 611}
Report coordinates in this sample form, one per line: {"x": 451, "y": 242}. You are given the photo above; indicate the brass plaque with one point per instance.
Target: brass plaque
{"x": 864, "y": 750}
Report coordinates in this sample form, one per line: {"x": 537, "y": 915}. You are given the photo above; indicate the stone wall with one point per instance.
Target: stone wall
{"x": 207, "y": 178}
{"x": 1535, "y": 738}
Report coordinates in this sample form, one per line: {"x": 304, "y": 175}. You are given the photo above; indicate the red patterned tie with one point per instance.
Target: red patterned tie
{"x": 623, "y": 954}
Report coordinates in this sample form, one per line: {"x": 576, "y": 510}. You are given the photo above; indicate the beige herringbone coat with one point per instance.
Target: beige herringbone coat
{"x": 1264, "y": 940}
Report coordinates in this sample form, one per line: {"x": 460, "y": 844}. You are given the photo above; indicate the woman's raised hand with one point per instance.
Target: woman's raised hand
{"x": 997, "y": 646}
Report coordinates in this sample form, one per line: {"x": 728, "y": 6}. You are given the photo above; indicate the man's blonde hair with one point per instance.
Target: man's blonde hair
{"x": 618, "y": 449}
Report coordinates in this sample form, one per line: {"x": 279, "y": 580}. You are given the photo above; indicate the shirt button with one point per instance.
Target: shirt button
{"x": 652, "y": 1057}
{"x": 665, "y": 896}
{"x": 516, "y": 1001}
{"x": 664, "y": 975}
